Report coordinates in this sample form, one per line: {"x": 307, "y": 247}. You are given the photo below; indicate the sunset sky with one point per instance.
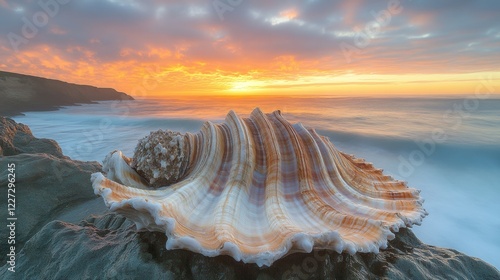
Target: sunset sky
{"x": 233, "y": 47}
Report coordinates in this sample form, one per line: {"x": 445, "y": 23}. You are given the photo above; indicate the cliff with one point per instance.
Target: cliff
{"x": 21, "y": 93}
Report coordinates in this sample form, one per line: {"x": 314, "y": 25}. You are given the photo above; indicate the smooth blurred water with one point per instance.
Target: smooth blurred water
{"x": 447, "y": 147}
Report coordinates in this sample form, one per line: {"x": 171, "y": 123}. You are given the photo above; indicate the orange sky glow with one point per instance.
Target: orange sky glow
{"x": 152, "y": 49}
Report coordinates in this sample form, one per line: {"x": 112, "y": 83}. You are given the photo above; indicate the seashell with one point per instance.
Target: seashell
{"x": 257, "y": 189}
{"x": 161, "y": 157}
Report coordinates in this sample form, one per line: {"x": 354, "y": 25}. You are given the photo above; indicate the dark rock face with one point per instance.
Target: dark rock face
{"x": 17, "y": 139}
{"x": 45, "y": 187}
{"x": 55, "y": 241}
{"x": 21, "y": 93}
{"x": 46, "y": 181}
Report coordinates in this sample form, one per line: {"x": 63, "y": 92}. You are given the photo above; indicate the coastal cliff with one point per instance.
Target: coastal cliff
{"x": 64, "y": 232}
{"x": 20, "y": 93}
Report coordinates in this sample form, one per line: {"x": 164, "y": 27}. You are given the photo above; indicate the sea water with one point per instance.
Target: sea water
{"x": 448, "y": 147}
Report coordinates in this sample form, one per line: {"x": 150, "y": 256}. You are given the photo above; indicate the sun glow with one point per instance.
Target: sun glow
{"x": 276, "y": 51}
{"x": 246, "y": 87}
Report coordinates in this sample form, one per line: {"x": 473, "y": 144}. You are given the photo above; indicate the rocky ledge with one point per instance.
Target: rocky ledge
{"x": 66, "y": 232}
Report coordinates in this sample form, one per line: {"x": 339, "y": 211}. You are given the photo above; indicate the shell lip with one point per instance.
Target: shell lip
{"x": 296, "y": 243}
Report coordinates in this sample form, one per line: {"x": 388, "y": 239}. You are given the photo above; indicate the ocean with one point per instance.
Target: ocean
{"x": 448, "y": 147}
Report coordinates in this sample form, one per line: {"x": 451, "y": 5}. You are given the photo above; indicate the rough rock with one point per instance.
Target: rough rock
{"x": 46, "y": 182}
{"x": 16, "y": 138}
{"x": 45, "y": 186}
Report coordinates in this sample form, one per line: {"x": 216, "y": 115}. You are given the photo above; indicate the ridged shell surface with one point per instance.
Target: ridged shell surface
{"x": 259, "y": 188}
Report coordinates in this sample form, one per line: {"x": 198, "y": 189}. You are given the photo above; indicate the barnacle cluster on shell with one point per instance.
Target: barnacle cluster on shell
{"x": 161, "y": 157}
{"x": 257, "y": 189}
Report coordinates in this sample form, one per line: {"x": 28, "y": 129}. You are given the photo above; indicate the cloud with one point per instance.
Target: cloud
{"x": 256, "y": 36}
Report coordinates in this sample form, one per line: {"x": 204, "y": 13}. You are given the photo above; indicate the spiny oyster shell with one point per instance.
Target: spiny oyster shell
{"x": 259, "y": 188}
